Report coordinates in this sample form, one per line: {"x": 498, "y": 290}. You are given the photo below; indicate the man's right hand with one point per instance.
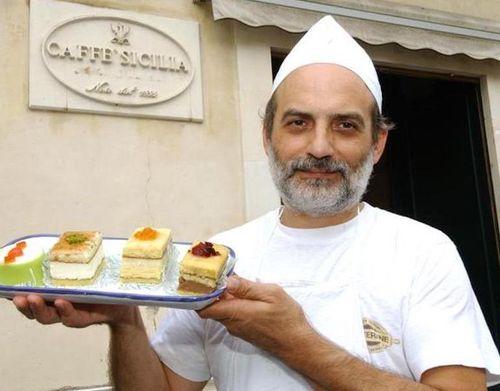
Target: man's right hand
{"x": 74, "y": 315}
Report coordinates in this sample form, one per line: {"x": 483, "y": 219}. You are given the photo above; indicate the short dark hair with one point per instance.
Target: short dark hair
{"x": 379, "y": 122}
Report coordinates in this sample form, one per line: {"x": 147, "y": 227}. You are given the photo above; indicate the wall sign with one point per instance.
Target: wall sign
{"x": 113, "y": 62}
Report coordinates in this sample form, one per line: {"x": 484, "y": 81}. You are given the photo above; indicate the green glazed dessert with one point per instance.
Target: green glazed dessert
{"x": 21, "y": 263}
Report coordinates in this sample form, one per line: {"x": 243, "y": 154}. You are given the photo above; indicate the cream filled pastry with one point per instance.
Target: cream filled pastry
{"x": 77, "y": 258}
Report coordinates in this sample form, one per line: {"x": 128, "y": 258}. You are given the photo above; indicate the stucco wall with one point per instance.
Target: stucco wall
{"x": 63, "y": 171}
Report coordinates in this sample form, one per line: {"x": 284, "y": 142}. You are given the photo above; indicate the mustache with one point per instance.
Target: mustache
{"x": 326, "y": 164}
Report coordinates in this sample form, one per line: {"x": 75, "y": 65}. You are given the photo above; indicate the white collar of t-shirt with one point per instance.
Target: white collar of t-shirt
{"x": 326, "y": 235}
{"x": 307, "y": 254}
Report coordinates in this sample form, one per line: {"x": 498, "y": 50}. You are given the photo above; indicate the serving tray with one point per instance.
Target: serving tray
{"x": 108, "y": 289}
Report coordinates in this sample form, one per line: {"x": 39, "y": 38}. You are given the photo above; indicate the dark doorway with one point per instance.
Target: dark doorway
{"x": 436, "y": 170}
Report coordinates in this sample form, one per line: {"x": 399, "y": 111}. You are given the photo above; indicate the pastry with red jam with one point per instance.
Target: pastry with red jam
{"x": 201, "y": 268}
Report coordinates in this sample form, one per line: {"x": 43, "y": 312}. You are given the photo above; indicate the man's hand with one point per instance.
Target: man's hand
{"x": 73, "y": 315}
{"x": 262, "y": 314}
{"x": 266, "y": 316}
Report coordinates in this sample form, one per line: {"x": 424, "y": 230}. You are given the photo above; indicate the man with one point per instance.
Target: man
{"x": 332, "y": 293}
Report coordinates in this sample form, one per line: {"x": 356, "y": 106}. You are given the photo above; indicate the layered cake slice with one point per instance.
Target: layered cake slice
{"x": 76, "y": 258}
{"x": 202, "y": 267}
{"x": 145, "y": 255}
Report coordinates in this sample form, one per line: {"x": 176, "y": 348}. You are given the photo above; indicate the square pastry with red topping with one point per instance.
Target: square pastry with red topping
{"x": 202, "y": 267}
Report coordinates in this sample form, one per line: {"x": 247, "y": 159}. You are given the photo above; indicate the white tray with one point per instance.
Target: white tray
{"x": 108, "y": 289}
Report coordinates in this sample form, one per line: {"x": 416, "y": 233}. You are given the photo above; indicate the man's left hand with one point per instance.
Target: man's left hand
{"x": 262, "y": 314}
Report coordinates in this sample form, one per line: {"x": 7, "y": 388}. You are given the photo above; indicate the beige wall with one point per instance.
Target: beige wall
{"x": 63, "y": 171}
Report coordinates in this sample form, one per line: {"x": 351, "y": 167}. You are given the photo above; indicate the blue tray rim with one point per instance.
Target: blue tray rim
{"x": 130, "y": 296}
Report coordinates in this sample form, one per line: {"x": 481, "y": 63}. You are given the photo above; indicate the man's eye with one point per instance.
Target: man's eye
{"x": 298, "y": 123}
{"x": 347, "y": 125}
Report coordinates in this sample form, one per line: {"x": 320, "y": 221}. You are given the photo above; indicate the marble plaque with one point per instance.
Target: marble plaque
{"x": 100, "y": 60}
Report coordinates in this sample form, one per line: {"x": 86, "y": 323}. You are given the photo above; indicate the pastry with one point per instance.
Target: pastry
{"x": 76, "y": 258}
{"x": 21, "y": 263}
{"x": 202, "y": 267}
{"x": 145, "y": 255}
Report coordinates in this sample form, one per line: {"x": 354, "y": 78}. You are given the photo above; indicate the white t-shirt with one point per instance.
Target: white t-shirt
{"x": 392, "y": 291}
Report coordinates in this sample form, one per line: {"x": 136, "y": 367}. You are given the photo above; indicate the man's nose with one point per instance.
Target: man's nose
{"x": 320, "y": 145}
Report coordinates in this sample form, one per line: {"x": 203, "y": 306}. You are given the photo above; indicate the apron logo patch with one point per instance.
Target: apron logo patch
{"x": 377, "y": 337}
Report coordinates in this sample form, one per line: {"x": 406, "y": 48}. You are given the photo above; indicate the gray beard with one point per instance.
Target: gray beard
{"x": 320, "y": 197}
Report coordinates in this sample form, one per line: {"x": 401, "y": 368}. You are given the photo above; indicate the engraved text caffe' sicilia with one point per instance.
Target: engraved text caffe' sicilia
{"x": 107, "y": 55}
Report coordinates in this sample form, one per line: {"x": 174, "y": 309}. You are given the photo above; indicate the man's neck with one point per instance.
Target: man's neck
{"x": 293, "y": 219}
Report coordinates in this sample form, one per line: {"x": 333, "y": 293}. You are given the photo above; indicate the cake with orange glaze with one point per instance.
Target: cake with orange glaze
{"x": 144, "y": 255}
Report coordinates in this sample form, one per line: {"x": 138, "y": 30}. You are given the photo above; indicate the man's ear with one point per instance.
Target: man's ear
{"x": 265, "y": 139}
{"x": 379, "y": 145}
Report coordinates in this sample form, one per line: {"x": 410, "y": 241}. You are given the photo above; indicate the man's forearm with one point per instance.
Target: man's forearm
{"x": 134, "y": 365}
{"x": 331, "y": 367}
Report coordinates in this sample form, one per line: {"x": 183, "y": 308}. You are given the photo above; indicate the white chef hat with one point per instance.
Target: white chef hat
{"x": 327, "y": 42}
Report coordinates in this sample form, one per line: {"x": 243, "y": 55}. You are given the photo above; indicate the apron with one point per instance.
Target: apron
{"x": 332, "y": 307}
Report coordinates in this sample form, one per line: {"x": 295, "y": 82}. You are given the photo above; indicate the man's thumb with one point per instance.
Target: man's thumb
{"x": 242, "y": 288}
